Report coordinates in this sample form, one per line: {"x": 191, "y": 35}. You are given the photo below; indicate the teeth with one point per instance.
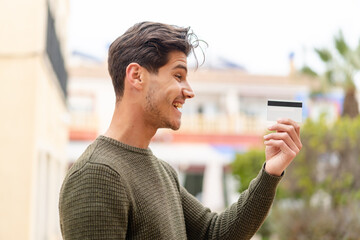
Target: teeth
{"x": 178, "y": 105}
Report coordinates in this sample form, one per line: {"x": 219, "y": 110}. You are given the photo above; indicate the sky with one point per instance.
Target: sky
{"x": 258, "y": 34}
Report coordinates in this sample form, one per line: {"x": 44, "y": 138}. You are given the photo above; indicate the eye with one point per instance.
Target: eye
{"x": 178, "y": 77}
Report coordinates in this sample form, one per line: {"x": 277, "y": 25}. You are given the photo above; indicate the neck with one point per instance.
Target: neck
{"x": 128, "y": 127}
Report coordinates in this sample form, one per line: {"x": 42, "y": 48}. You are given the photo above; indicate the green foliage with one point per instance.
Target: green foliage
{"x": 324, "y": 54}
{"x": 314, "y": 223}
{"x": 308, "y": 71}
{"x": 341, "y": 44}
{"x": 329, "y": 161}
{"x": 329, "y": 77}
{"x": 247, "y": 165}
{"x": 328, "y": 166}
{"x": 341, "y": 63}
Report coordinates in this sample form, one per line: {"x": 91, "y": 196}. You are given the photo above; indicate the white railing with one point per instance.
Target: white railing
{"x": 223, "y": 124}
{"x": 84, "y": 121}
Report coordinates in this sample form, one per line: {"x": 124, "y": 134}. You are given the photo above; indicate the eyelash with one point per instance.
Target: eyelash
{"x": 178, "y": 76}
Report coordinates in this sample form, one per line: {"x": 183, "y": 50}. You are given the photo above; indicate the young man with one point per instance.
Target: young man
{"x": 118, "y": 189}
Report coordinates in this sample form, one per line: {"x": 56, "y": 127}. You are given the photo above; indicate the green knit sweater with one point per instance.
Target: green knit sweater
{"x": 116, "y": 191}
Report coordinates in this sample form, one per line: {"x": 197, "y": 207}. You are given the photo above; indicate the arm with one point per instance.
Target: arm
{"x": 240, "y": 221}
{"x": 93, "y": 204}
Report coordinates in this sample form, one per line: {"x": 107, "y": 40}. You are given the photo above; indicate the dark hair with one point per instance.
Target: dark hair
{"x": 148, "y": 44}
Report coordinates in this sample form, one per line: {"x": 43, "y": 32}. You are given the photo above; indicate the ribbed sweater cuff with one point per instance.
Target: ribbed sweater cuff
{"x": 267, "y": 183}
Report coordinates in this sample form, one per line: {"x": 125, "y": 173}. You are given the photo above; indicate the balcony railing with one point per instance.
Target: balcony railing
{"x": 223, "y": 124}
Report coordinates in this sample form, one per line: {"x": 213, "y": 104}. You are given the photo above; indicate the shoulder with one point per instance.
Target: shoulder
{"x": 170, "y": 171}
{"x": 95, "y": 181}
{"x": 92, "y": 192}
{"x": 94, "y": 165}
{"x": 103, "y": 154}
{"x": 168, "y": 167}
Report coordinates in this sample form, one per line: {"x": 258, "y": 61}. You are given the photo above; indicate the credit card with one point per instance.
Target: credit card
{"x": 277, "y": 109}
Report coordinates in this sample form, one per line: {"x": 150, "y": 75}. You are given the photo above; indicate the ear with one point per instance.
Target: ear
{"x": 133, "y": 75}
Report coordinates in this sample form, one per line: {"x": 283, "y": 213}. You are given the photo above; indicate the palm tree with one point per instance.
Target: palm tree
{"x": 341, "y": 68}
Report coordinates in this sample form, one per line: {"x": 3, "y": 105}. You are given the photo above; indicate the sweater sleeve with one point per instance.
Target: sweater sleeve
{"x": 93, "y": 204}
{"x": 240, "y": 221}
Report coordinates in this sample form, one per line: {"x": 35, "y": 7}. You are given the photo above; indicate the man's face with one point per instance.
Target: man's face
{"x": 167, "y": 92}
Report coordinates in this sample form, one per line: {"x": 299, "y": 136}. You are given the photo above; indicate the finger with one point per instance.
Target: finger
{"x": 290, "y": 129}
{"x": 290, "y": 122}
{"x": 284, "y": 136}
{"x": 282, "y": 146}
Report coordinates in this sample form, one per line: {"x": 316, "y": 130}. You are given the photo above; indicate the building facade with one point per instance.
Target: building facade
{"x": 34, "y": 117}
{"x": 227, "y": 116}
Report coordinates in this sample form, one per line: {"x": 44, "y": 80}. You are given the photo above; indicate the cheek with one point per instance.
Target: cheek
{"x": 173, "y": 93}
{"x": 168, "y": 91}
{"x": 175, "y": 88}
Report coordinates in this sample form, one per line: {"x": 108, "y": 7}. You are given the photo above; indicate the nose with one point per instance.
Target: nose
{"x": 187, "y": 91}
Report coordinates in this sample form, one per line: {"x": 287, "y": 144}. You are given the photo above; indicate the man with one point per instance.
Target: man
{"x": 118, "y": 189}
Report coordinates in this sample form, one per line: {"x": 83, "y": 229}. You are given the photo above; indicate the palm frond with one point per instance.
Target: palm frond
{"x": 340, "y": 44}
{"x": 306, "y": 70}
{"x": 324, "y": 54}
{"x": 329, "y": 76}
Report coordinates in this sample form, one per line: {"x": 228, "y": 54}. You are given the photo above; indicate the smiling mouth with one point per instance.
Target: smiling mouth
{"x": 177, "y": 105}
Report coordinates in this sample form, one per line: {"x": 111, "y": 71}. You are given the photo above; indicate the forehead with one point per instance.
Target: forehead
{"x": 177, "y": 58}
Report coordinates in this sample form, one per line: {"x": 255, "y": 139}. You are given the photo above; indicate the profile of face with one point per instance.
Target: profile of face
{"x": 166, "y": 93}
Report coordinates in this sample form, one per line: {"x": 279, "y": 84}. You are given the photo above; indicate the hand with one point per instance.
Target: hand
{"x": 281, "y": 146}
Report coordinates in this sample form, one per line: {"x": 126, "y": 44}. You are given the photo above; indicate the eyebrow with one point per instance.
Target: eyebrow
{"x": 181, "y": 67}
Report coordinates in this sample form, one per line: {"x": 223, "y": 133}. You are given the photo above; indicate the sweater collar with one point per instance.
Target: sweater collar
{"x": 145, "y": 151}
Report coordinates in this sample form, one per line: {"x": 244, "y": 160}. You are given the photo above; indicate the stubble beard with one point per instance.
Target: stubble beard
{"x": 155, "y": 117}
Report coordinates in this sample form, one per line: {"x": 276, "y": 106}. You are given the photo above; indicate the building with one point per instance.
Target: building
{"x": 34, "y": 118}
{"x": 227, "y": 116}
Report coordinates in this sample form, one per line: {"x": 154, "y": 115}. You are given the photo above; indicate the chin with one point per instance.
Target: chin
{"x": 175, "y": 126}
{"x": 172, "y": 127}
